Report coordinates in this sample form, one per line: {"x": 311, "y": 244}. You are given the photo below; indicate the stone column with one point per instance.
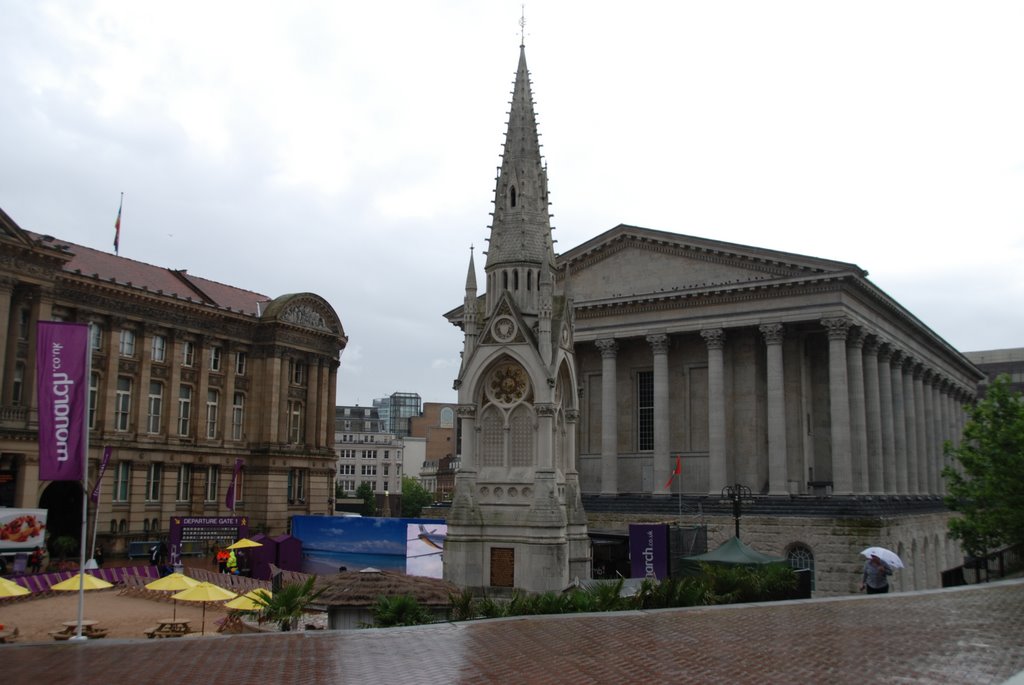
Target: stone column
{"x": 839, "y": 405}
{"x": 948, "y": 429}
{"x": 899, "y": 425}
{"x": 718, "y": 474}
{"x": 312, "y": 408}
{"x": 467, "y": 450}
{"x": 332, "y": 393}
{"x": 873, "y": 417}
{"x": 858, "y": 410}
{"x": 929, "y": 467}
{"x": 917, "y": 468}
{"x": 662, "y": 467}
{"x": 6, "y": 292}
{"x": 938, "y": 431}
{"x": 609, "y": 418}
{"x": 546, "y": 434}
{"x": 778, "y": 474}
{"x": 885, "y": 414}
{"x": 910, "y": 413}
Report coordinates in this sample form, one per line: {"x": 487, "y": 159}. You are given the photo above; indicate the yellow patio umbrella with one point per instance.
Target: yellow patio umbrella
{"x": 72, "y": 584}
{"x": 204, "y": 592}
{"x": 173, "y": 582}
{"x": 253, "y": 600}
{"x": 243, "y": 543}
{"x": 8, "y": 588}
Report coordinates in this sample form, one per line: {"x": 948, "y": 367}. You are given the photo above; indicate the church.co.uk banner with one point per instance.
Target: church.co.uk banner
{"x": 63, "y": 390}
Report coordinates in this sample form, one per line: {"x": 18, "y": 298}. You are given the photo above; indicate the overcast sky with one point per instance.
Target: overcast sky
{"x": 349, "y": 149}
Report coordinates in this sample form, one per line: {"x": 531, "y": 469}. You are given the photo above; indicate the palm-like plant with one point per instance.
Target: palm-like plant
{"x": 287, "y": 605}
{"x": 399, "y": 610}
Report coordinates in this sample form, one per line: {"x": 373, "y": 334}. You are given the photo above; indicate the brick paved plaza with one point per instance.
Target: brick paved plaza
{"x": 973, "y": 634}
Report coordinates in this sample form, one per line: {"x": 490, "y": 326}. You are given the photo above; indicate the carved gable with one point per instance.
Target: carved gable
{"x": 629, "y": 262}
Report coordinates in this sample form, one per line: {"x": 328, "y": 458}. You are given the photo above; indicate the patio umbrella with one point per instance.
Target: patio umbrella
{"x": 175, "y": 582}
{"x": 887, "y": 556}
{"x": 8, "y": 588}
{"x": 245, "y": 542}
{"x": 204, "y": 592}
{"x": 90, "y": 582}
{"x": 253, "y": 600}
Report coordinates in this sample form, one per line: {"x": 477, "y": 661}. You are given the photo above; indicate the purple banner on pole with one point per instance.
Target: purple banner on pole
{"x": 63, "y": 390}
{"x": 648, "y": 550}
{"x": 94, "y": 497}
{"x": 229, "y": 501}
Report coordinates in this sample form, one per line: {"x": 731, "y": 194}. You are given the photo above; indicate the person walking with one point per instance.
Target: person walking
{"x": 875, "y": 579}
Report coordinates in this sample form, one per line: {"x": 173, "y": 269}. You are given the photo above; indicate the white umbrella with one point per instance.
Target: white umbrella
{"x": 888, "y": 557}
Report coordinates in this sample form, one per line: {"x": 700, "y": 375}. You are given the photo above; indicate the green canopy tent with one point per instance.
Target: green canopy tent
{"x": 732, "y": 551}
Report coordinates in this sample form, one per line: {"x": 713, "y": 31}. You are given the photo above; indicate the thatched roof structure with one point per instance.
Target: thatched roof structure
{"x": 362, "y": 588}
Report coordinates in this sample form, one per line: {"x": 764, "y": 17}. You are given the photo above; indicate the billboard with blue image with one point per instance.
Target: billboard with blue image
{"x": 403, "y": 545}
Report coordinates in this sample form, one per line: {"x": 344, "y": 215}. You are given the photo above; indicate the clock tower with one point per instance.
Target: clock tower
{"x": 517, "y": 519}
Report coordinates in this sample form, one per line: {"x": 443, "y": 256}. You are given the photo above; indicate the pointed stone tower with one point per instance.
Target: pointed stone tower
{"x": 517, "y": 519}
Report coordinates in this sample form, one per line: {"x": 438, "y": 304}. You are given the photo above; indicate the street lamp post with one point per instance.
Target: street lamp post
{"x": 738, "y": 495}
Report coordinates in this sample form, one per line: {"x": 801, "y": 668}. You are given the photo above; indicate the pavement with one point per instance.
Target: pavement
{"x": 972, "y": 634}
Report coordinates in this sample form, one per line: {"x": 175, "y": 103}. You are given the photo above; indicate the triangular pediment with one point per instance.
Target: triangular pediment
{"x": 629, "y": 261}
{"x": 506, "y": 326}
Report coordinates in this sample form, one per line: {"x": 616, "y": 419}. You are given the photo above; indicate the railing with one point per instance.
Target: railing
{"x": 1004, "y": 561}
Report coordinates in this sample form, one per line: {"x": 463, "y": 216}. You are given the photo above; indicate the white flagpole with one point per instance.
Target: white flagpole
{"x": 85, "y": 494}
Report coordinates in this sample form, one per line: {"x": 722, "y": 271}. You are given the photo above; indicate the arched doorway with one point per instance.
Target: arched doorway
{"x": 63, "y": 502}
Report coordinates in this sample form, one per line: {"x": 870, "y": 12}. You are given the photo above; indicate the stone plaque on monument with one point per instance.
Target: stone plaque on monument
{"x": 503, "y": 567}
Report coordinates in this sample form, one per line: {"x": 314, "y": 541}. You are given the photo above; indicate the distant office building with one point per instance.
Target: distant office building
{"x": 994, "y": 363}
{"x": 367, "y": 451}
{"x": 396, "y": 409}
{"x": 437, "y": 427}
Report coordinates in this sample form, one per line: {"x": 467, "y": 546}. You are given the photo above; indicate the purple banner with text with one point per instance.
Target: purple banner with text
{"x": 648, "y": 550}
{"x": 63, "y": 387}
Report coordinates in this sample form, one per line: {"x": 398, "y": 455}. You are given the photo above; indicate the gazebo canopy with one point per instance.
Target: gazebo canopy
{"x": 732, "y": 551}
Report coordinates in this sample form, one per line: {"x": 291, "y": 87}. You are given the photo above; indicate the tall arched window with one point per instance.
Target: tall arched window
{"x": 512, "y": 196}
{"x": 801, "y": 559}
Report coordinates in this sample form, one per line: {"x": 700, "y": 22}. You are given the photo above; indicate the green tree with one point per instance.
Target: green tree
{"x": 286, "y": 606}
{"x": 365, "y": 493}
{"x": 987, "y": 485}
{"x": 414, "y": 497}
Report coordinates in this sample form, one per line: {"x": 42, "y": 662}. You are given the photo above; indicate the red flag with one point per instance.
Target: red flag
{"x": 117, "y": 225}
{"x": 678, "y": 471}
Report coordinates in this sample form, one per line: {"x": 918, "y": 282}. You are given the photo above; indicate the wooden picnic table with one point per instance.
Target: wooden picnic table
{"x": 70, "y": 630}
{"x": 170, "y": 627}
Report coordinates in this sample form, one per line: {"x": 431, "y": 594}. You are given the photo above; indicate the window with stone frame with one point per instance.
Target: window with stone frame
{"x": 212, "y": 483}
{"x": 645, "y": 410}
{"x": 159, "y": 348}
{"x": 126, "y": 343}
{"x": 155, "y": 407}
{"x": 153, "y": 477}
{"x": 123, "y": 404}
{"x": 238, "y": 416}
{"x": 184, "y": 409}
{"x": 212, "y": 412}
{"x": 183, "y": 490}
{"x": 122, "y": 481}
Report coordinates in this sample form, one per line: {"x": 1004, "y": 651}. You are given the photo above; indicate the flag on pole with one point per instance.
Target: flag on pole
{"x": 94, "y": 496}
{"x": 678, "y": 471}
{"x": 62, "y": 381}
{"x": 117, "y": 225}
{"x": 229, "y": 502}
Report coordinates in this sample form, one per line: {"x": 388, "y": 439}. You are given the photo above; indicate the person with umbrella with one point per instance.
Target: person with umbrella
{"x": 875, "y": 579}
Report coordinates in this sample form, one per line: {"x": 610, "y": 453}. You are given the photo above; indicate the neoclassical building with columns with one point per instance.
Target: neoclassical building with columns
{"x": 188, "y": 376}
{"x": 791, "y": 375}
